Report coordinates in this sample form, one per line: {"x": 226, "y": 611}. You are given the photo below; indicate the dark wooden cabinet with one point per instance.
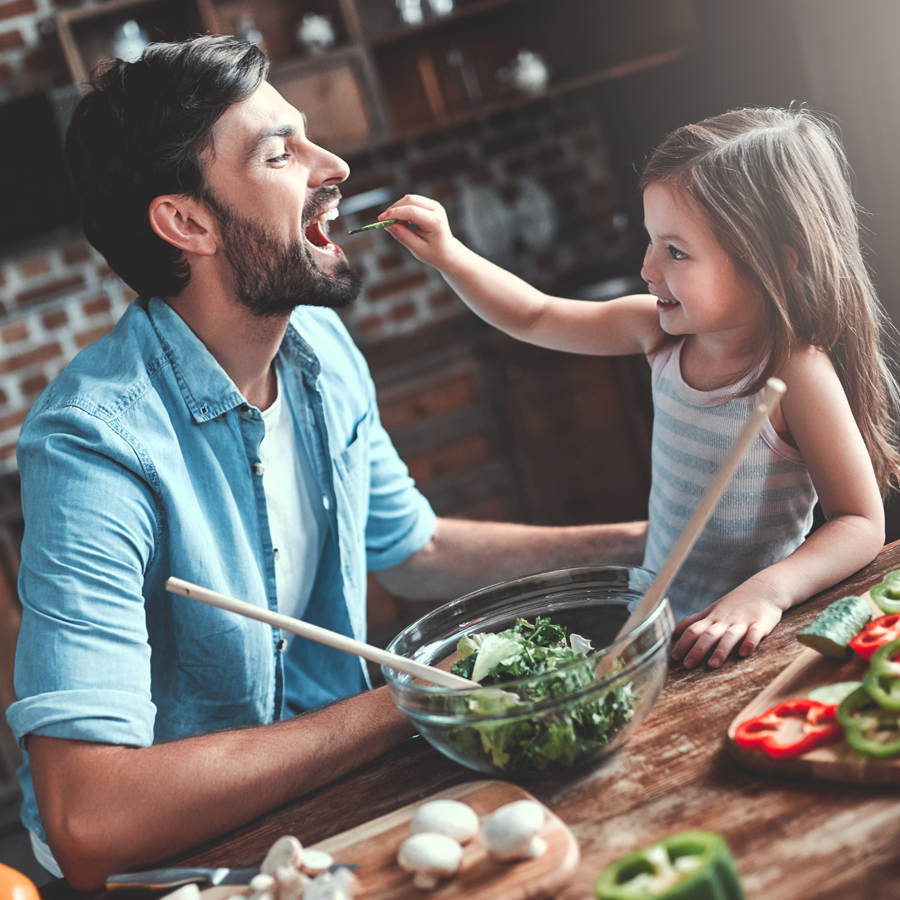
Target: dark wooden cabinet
{"x": 495, "y": 429}
{"x": 492, "y": 428}
{"x": 385, "y": 79}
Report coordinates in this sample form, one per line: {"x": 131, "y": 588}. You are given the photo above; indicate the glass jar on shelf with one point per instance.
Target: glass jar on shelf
{"x": 410, "y": 11}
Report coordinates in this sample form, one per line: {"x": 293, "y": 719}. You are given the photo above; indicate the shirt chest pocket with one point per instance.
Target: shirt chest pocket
{"x": 351, "y": 481}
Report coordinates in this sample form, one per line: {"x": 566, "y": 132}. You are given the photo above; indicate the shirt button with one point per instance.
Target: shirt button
{"x": 276, "y": 554}
{"x": 326, "y": 501}
{"x": 258, "y": 468}
{"x": 246, "y": 412}
{"x": 281, "y": 645}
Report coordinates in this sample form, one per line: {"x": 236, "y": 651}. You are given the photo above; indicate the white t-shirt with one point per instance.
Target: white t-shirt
{"x": 297, "y": 524}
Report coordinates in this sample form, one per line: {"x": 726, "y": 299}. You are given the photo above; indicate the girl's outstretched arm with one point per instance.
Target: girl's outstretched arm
{"x": 818, "y": 420}
{"x": 613, "y": 328}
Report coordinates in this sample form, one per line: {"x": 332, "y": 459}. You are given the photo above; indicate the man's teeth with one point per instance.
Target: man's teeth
{"x": 322, "y": 221}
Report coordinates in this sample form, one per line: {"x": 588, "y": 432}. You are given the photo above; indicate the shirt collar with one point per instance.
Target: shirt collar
{"x": 207, "y": 389}
{"x": 205, "y": 385}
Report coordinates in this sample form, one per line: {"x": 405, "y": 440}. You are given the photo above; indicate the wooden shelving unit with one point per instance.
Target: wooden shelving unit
{"x": 384, "y": 80}
{"x": 87, "y": 34}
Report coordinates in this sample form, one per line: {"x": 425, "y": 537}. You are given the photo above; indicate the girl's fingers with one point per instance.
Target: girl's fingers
{"x": 425, "y": 202}
{"x": 754, "y": 635}
{"x": 726, "y": 644}
{"x": 412, "y": 201}
{"x": 703, "y": 645}
{"x": 690, "y": 628}
{"x": 425, "y": 219}
{"x": 687, "y": 621}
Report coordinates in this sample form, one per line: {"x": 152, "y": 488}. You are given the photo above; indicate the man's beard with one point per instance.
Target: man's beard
{"x": 272, "y": 277}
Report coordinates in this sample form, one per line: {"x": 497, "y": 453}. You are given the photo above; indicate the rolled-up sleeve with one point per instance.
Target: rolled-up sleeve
{"x": 83, "y": 659}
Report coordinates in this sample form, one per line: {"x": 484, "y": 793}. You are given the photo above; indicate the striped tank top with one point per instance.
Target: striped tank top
{"x": 766, "y": 510}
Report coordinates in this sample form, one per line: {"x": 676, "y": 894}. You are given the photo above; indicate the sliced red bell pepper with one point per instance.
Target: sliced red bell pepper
{"x": 773, "y": 733}
{"x": 876, "y": 634}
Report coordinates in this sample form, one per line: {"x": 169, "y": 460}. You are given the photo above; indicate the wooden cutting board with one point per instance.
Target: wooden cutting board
{"x": 834, "y": 762}
{"x": 374, "y": 845}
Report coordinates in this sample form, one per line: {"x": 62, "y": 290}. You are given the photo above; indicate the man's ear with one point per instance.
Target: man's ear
{"x": 185, "y": 223}
{"x": 792, "y": 256}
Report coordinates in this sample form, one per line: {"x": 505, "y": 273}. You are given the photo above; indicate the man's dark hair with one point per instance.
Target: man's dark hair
{"x": 139, "y": 133}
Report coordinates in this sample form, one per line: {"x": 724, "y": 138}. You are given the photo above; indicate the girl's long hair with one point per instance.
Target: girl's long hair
{"x": 772, "y": 181}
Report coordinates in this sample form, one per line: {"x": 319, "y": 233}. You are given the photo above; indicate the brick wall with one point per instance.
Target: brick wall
{"x": 56, "y": 298}
{"x": 30, "y": 57}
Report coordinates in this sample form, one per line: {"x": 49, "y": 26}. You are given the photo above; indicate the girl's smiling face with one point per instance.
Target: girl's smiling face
{"x": 698, "y": 286}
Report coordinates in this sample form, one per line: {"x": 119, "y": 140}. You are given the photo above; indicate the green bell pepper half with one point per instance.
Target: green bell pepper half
{"x": 886, "y": 594}
{"x": 869, "y": 728}
{"x": 692, "y": 865}
{"x": 882, "y": 680}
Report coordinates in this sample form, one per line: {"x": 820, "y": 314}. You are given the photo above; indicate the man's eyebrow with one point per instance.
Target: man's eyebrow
{"x": 274, "y": 131}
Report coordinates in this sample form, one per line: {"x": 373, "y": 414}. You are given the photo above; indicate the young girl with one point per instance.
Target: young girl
{"x": 754, "y": 269}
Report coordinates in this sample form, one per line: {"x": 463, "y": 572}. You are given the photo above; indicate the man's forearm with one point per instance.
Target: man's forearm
{"x": 465, "y": 556}
{"x": 110, "y": 809}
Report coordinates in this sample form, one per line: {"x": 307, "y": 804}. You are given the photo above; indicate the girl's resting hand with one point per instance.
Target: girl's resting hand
{"x": 746, "y": 614}
{"x": 433, "y": 243}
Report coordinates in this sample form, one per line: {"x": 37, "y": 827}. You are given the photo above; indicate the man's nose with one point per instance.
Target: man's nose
{"x": 329, "y": 168}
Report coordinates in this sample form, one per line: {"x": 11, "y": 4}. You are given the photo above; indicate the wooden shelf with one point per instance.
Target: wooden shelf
{"x": 449, "y": 71}
{"x": 518, "y": 101}
{"x": 86, "y": 35}
{"x": 415, "y": 32}
{"x": 384, "y": 82}
{"x": 335, "y": 90}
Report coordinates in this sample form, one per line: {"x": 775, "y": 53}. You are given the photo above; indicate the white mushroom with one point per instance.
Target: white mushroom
{"x": 286, "y": 851}
{"x": 290, "y": 884}
{"x": 185, "y": 892}
{"x": 263, "y": 887}
{"x": 511, "y": 832}
{"x": 337, "y": 885}
{"x": 449, "y": 817}
{"x": 262, "y": 882}
{"x": 430, "y": 857}
{"x": 316, "y": 861}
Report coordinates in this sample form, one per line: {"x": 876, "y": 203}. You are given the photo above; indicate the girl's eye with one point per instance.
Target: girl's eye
{"x": 675, "y": 253}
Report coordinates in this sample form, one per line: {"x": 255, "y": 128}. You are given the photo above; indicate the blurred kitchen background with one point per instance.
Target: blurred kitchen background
{"x": 529, "y": 120}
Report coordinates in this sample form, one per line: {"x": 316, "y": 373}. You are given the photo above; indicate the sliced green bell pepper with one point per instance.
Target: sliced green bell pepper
{"x": 868, "y": 727}
{"x": 692, "y": 865}
{"x": 882, "y": 680}
{"x": 886, "y": 594}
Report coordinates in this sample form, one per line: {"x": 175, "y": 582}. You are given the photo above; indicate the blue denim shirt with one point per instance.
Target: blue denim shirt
{"x": 140, "y": 461}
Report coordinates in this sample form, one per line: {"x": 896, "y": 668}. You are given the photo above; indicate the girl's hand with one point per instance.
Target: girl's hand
{"x": 433, "y": 243}
{"x": 746, "y": 615}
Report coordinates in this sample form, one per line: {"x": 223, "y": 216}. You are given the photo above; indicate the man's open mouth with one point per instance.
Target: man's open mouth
{"x": 317, "y": 230}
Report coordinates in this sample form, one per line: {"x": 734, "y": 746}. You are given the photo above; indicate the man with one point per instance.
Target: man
{"x": 152, "y": 722}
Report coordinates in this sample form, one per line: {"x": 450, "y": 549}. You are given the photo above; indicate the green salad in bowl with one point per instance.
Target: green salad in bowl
{"x": 535, "y": 647}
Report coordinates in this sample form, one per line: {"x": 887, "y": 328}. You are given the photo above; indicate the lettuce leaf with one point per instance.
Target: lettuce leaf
{"x": 560, "y": 738}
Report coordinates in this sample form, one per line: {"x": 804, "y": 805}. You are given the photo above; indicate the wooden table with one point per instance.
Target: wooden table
{"x": 791, "y": 839}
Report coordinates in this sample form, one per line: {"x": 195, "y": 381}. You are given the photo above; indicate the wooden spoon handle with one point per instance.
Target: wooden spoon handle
{"x": 775, "y": 388}
{"x": 320, "y": 635}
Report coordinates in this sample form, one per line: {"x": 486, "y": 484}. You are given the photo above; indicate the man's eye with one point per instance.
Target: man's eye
{"x": 282, "y": 158}
{"x": 675, "y": 253}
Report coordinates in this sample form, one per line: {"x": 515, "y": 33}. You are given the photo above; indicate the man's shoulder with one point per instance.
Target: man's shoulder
{"x": 110, "y": 373}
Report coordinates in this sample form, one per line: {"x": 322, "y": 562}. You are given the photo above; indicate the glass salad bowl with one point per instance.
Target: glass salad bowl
{"x": 568, "y": 716}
